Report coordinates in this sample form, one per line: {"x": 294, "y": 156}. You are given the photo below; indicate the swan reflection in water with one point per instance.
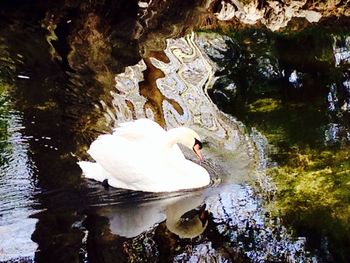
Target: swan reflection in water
{"x": 185, "y": 216}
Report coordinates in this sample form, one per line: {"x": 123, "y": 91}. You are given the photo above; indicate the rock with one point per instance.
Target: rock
{"x": 227, "y": 11}
{"x": 312, "y": 16}
{"x": 276, "y": 14}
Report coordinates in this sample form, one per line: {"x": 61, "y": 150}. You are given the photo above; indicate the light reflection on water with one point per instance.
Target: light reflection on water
{"x": 184, "y": 101}
{"x": 16, "y": 191}
{"x": 236, "y": 211}
{"x": 177, "y": 98}
{"x": 232, "y": 158}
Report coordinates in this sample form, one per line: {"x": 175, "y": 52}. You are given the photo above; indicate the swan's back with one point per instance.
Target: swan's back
{"x": 139, "y": 130}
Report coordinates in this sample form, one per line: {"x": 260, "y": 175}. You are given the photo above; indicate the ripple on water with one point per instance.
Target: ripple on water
{"x": 16, "y": 192}
{"x": 240, "y": 216}
{"x": 232, "y": 159}
{"x": 181, "y": 84}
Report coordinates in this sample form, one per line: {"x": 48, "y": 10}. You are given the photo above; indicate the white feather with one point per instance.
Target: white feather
{"x": 141, "y": 156}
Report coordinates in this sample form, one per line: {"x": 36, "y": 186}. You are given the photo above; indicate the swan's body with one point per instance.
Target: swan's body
{"x": 141, "y": 156}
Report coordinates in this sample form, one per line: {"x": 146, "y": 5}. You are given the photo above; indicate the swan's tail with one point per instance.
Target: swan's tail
{"x": 93, "y": 171}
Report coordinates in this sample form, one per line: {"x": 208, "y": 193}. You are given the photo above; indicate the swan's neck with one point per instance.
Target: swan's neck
{"x": 176, "y": 135}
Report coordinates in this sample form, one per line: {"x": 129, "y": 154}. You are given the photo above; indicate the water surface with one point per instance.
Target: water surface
{"x": 53, "y": 106}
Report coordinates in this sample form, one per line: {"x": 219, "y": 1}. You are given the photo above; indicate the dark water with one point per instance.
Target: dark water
{"x": 52, "y": 109}
{"x": 296, "y": 93}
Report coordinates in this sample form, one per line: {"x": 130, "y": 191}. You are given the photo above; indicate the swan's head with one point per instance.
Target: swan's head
{"x": 197, "y": 149}
{"x": 190, "y": 139}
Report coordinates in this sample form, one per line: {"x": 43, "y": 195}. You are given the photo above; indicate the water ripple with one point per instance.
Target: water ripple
{"x": 183, "y": 101}
{"x": 172, "y": 88}
{"x": 16, "y": 192}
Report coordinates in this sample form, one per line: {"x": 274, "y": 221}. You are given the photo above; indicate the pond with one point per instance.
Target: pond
{"x": 272, "y": 110}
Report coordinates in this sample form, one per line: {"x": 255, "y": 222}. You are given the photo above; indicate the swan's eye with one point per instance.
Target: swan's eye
{"x": 199, "y": 143}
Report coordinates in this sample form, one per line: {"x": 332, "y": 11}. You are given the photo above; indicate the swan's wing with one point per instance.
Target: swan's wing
{"x": 143, "y": 129}
{"x": 139, "y": 130}
{"x": 125, "y": 161}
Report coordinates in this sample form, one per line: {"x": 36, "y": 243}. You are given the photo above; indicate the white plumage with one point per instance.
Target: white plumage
{"x": 141, "y": 155}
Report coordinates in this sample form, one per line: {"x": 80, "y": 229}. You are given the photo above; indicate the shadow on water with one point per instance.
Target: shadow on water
{"x": 43, "y": 141}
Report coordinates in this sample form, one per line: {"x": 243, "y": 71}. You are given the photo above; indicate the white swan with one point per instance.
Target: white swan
{"x": 140, "y": 155}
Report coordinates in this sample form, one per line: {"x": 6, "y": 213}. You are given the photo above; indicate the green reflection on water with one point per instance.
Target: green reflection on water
{"x": 312, "y": 175}
{"x": 6, "y": 67}
{"x": 3, "y": 123}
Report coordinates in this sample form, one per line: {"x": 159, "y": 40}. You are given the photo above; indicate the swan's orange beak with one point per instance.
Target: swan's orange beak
{"x": 197, "y": 150}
